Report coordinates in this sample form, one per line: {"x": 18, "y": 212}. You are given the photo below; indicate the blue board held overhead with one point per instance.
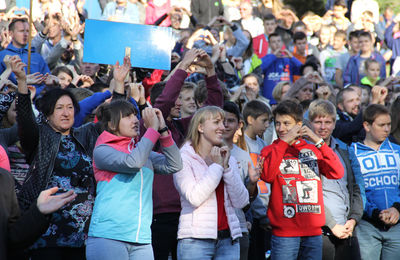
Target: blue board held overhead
{"x": 105, "y": 43}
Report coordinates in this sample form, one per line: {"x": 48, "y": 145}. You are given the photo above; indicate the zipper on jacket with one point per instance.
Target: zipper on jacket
{"x": 51, "y": 173}
{"x": 384, "y": 188}
{"x": 140, "y": 204}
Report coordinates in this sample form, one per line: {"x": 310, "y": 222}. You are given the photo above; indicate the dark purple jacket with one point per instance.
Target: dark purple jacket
{"x": 165, "y": 197}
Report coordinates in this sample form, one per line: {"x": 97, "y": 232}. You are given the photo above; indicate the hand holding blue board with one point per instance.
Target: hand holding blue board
{"x": 105, "y": 43}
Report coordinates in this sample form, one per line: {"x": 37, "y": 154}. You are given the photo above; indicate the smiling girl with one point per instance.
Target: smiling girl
{"x": 124, "y": 169}
{"x": 210, "y": 188}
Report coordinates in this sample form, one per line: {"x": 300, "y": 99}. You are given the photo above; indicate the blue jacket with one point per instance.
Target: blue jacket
{"x": 88, "y": 104}
{"x": 124, "y": 172}
{"x": 275, "y": 70}
{"x": 377, "y": 173}
{"x": 37, "y": 62}
{"x": 352, "y": 73}
{"x": 392, "y": 43}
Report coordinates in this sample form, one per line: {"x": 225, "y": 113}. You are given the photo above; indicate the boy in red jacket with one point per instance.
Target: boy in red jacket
{"x": 293, "y": 167}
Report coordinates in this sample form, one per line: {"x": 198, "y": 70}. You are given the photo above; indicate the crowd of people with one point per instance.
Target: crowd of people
{"x": 274, "y": 135}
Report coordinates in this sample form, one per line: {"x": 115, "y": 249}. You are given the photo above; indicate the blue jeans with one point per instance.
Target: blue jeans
{"x": 293, "y": 248}
{"x": 98, "y": 248}
{"x": 376, "y": 243}
{"x": 203, "y": 249}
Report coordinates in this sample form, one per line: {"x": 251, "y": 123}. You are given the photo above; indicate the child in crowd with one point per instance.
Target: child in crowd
{"x": 293, "y": 167}
{"x": 124, "y": 168}
{"x": 210, "y": 188}
{"x": 372, "y": 72}
{"x": 257, "y": 116}
{"x": 330, "y": 56}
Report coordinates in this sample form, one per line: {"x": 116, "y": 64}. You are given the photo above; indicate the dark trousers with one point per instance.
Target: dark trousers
{"x": 260, "y": 241}
{"x": 334, "y": 248}
{"x": 59, "y": 253}
{"x": 164, "y": 231}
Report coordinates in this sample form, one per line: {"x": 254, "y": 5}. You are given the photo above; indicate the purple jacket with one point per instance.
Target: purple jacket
{"x": 165, "y": 196}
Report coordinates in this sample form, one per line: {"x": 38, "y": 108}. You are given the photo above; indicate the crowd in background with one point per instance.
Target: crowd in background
{"x": 274, "y": 135}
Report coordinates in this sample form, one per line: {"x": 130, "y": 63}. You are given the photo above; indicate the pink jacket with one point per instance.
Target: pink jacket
{"x": 196, "y": 184}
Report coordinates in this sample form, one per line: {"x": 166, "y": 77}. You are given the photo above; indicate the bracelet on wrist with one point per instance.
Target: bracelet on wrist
{"x": 162, "y": 130}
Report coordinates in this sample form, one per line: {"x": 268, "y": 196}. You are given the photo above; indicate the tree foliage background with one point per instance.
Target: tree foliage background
{"x": 318, "y": 6}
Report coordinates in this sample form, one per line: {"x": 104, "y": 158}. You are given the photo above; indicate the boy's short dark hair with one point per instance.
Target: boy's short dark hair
{"x": 11, "y": 26}
{"x": 299, "y": 24}
{"x": 269, "y": 17}
{"x": 340, "y": 95}
{"x": 251, "y": 75}
{"x": 156, "y": 91}
{"x": 274, "y": 35}
{"x": 290, "y": 108}
{"x": 340, "y": 3}
{"x": 255, "y": 108}
{"x": 200, "y": 92}
{"x": 372, "y": 111}
{"x": 231, "y": 107}
{"x": 299, "y": 36}
{"x": 365, "y": 34}
{"x": 354, "y": 34}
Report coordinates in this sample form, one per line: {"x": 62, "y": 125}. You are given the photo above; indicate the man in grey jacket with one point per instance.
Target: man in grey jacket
{"x": 342, "y": 199}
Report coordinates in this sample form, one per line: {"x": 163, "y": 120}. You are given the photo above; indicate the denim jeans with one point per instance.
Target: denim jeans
{"x": 377, "y": 243}
{"x": 204, "y": 249}
{"x": 98, "y": 248}
{"x": 292, "y": 248}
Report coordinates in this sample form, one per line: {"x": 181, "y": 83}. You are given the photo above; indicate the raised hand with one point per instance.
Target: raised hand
{"x": 216, "y": 156}
{"x": 48, "y": 203}
{"x": 308, "y": 134}
{"x": 204, "y": 60}
{"x": 189, "y": 58}
{"x": 35, "y": 78}
{"x": 292, "y": 135}
{"x": 379, "y": 95}
{"x": 120, "y": 71}
{"x": 150, "y": 118}
{"x": 160, "y": 118}
{"x": 225, "y": 154}
{"x": 17, "y": 66}
{"x": 254, "y": 173}
{"x": 287, "y": 53}
{"x": 51, "y": 80}
{"x": 86, "y": 81}
{"x": 323, "y": 92}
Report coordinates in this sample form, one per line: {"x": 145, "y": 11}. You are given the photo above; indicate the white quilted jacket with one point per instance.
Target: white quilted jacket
{"x": 196, "y": 184}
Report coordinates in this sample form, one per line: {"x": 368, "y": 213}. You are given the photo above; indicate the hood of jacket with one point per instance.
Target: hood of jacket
{"x": 16, "y": 50}
{"x": 120, "y": 143}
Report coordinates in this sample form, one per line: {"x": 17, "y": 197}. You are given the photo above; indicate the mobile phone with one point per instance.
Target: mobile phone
{"x": 128, "y": 51}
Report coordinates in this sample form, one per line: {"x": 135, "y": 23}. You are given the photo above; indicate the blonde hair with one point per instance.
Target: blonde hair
{"x": 277, "y": 92}
{"x": 321, "y": 108}
{"x": 201, "y": 115}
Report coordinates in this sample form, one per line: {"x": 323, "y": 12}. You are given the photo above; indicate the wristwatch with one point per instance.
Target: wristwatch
{"x": 320, "y": 143}
{"x": 163, "y": 130}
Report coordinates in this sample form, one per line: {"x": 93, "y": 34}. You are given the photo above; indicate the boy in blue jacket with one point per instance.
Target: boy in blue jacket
{"x": 355, "y": 67}
{"x": 376, "y": 166}
{"x": 278, "y": 66}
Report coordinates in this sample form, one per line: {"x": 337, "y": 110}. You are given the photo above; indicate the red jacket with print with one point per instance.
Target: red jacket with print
{"x": 296, "y": 206}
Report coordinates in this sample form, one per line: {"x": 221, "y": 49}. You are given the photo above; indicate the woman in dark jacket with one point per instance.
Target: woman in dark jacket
{"x": 59, "y": 156}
